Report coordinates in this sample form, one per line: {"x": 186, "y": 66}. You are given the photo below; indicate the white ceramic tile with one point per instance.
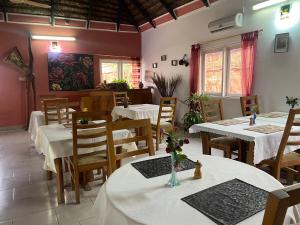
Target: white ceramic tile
{"x": 90, "y": 221}
{"x": 7, "y": 222}
{"x": 45, "y": 217}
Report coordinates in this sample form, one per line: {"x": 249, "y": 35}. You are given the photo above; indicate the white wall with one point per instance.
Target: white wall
{"x": 276, "y": 75}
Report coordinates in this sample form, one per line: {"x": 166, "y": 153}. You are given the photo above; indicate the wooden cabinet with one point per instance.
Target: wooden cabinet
{"x": 140, "y": 96}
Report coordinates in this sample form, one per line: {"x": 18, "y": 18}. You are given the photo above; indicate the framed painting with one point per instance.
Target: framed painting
{"x": 70, "y": 72}
{"x": 281, "y": 43}
{"x": 14, "y": 58}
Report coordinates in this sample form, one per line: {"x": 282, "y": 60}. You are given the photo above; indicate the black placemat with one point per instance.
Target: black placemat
{"x": 160, "y": 166}
{"x": 229, "y": 203}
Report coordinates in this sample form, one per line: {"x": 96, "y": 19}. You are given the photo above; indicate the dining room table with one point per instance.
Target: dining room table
{"x": 129, "y": 198}
{"x": 137, "y": 112}
{"x": 37, "y": 119}
{"x": 54, "y": 141}
{"x": 259, "y": 141}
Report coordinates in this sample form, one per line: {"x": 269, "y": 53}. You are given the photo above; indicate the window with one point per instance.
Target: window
{"x": 120, "y": 70}
{"x": 221, "y": 72}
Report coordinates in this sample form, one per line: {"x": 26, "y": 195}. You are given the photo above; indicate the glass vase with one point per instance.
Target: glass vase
{"x": 173, "y": 181}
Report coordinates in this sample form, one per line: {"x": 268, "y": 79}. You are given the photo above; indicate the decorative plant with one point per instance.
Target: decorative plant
{"x": 118, "y": 85}
{"x": 174, "y": 147}
{"x": 254, "y": 109}
{"x": 166, "y": 86}
{"x": 194, "y": 115}
{"x": 291, "y": 101}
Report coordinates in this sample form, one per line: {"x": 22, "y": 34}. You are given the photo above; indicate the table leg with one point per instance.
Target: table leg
{"x": 205, "y": 139}
{"x": 59, "y": 180}
{"x": 249, "y": 152}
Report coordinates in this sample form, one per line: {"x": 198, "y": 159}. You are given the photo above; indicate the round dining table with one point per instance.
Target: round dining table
{"x": 128, "y": 198}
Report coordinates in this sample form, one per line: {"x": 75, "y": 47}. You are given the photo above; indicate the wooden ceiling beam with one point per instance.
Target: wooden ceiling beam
{"x": 168, "y": 8}
{"x": 89, "y": 15}
{"x": 130, "y": 16}
{"x": 119, "y": 15}
{"x": 52, "y": 12}
{"x": 144, "y": 12}
{"x": 4, "y": 10}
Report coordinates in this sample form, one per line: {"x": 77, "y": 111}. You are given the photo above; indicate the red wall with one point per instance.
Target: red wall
{"x": 13, "y": 92}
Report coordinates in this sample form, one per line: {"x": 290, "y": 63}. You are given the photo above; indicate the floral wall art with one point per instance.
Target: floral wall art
{"x": 70, "y": 72}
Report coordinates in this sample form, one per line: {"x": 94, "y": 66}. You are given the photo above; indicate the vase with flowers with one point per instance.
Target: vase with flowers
{"x": 174, "y": 147}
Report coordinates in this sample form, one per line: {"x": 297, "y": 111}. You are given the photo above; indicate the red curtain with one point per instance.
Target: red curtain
{"x": 249, "y": 42}
{"x": 194, "y": 68}
{"x": 136, "y": 72}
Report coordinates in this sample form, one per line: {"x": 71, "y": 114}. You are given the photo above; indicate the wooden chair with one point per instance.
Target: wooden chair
{"x": 247, "y": 103}
{"x": 212, "y": 110}
{"x": 89, "y": 147}
{"x": 98, "y": 101}
{"x": 43, "y": 97}
{"x": 290, "y": 160}
{"x": 119, "y": 98}
{"x": 278, "y": 202}
{"x": 56, "y": 110}
{"x": 116, "y": 155}
{"x": 165, "y": 120}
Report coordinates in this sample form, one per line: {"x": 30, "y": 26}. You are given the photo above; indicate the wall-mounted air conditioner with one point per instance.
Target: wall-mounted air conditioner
{"x": 226, "y": 23}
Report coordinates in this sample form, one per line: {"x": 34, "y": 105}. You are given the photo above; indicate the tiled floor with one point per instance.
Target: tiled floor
{"x": 27, "y": 198}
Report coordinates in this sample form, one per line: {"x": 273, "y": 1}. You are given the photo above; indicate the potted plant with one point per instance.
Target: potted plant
{"x": 291, "y": 101}
{"x": 118, "y": 85}
{"x": 174, "y": 147}
{"x": 166, "y": 86}
{"x": 194, "y": 115}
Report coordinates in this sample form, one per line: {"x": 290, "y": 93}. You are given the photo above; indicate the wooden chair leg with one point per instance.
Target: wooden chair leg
{"x": 77, "y": 187}
{"x": 227, "y": 153}
{"x": 289, "y": 177}
{"x": 276, "y": 172}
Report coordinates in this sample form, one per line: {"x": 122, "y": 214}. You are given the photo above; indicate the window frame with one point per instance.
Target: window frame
{"x": 118, "y": 62}
{"x": 225, "y": 72}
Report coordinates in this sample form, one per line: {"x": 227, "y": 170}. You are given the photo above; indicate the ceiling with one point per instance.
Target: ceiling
{"x": 133, "y": 12}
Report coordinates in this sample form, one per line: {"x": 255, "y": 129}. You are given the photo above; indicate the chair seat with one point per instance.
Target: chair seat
{"x": 233, "y": 143}
{"x": 289, "y": 159}
{"x": 163, "y": 125}
{"x": 97, "y": 157}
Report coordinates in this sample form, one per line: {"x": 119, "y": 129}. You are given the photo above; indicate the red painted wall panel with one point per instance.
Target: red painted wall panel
{"x": 12, "y": 91}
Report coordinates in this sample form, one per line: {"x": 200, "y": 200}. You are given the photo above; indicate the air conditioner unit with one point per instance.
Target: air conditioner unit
{"x": 226, "y": 23}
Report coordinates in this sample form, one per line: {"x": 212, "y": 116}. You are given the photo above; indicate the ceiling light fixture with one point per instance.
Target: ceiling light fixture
{"x": 52, "y": 38}
{"x": 265, "y": 4}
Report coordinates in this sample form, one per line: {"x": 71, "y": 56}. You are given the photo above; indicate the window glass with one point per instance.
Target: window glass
{"x": 109, "y": 71}
{"x": 127, "y": 72}
{"x": 235, "y": 72}
{"x": 213, "y": 72}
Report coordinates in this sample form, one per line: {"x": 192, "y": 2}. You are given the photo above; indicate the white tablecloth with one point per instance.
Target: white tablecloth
{"x": 266, "y": 145}
{"x": 128, "y": 198}
{"x": 137, "y": 112}
{"x": 37, "y": 119}
{"x": 55, "y": 141}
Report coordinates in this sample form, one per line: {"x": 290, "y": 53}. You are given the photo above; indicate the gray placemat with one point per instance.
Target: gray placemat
{"x": 160, "y": 166}
{"x": 229, "y": 203}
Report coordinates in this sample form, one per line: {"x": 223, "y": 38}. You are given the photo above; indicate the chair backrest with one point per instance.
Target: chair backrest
{"x": 167, "y": 110}
{"x": 278, "y": 202}
{"x": 145, "y": 135}
{"x": 291, "y": 122}
{"x": 56, "y": 110}
{"x": 212, "y": 110}
{"x": 247, "y": 104}
{"x": 98, "y": 101}
{"x": 43, "y": 97}
{"x": 119, "y": 98}
{"x": 91, "y": 137}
